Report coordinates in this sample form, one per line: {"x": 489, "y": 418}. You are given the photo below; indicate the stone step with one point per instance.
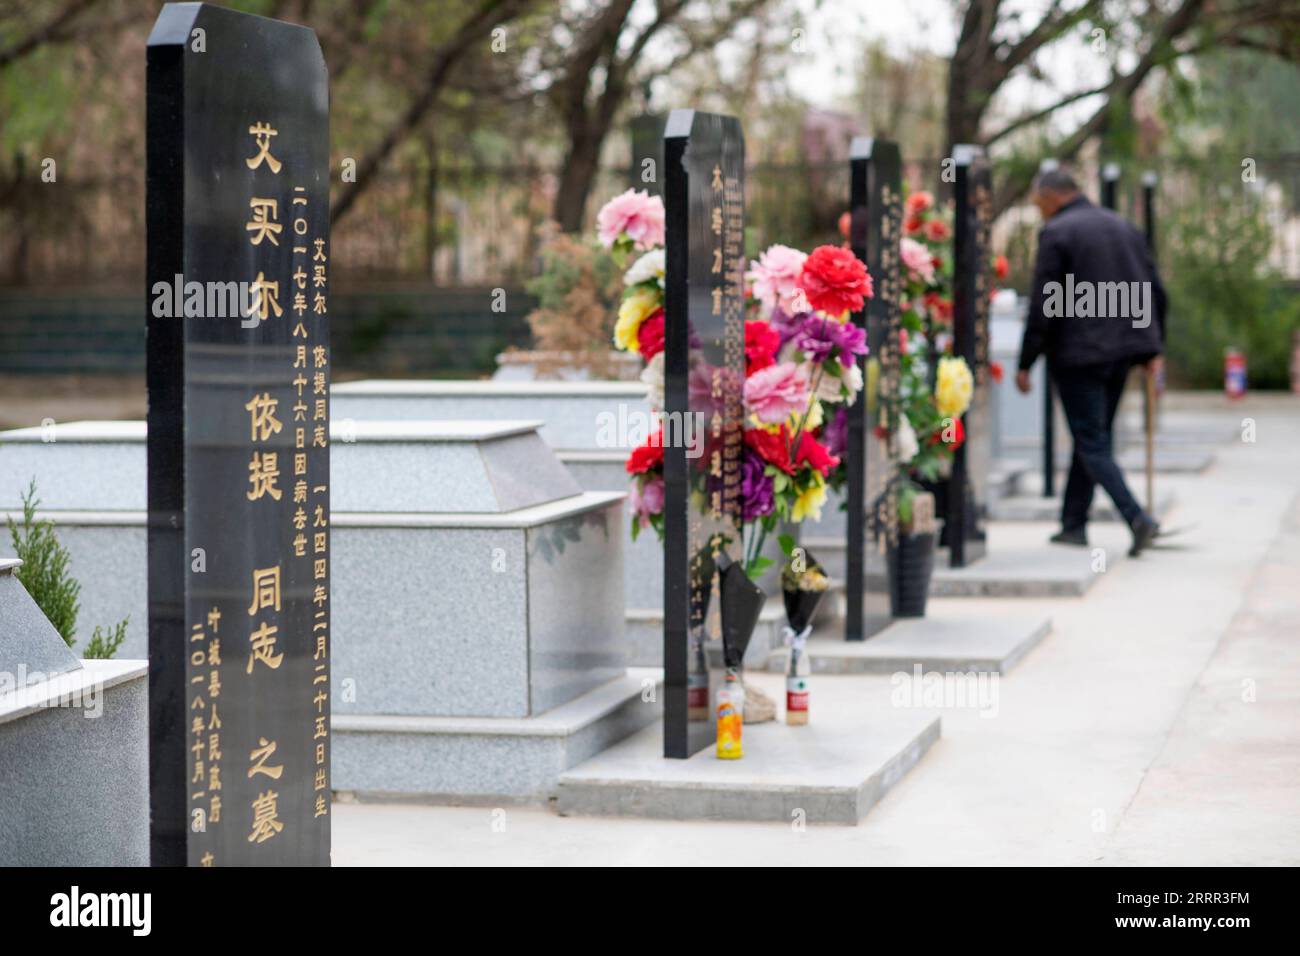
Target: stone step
{"x": 1170, "y": 458}
{"x": 1029, "y": 507}
{"x": 833, "y": 770}
{"x": 478, "y": 760}
{"x": 956, "y": 636}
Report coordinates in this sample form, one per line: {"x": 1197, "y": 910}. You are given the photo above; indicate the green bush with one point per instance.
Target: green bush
{"x": 44, "y": 573}
{"x": 1223, "y": 294}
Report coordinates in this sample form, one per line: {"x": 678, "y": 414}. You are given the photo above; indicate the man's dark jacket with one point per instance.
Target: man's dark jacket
{"x": 1093, "y": 245}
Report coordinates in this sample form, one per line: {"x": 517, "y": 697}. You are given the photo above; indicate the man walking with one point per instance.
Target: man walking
{"x": 1097, "y": 308}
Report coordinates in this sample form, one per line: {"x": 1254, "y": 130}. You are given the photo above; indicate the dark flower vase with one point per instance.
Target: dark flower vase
{"x": 911, "y": 564}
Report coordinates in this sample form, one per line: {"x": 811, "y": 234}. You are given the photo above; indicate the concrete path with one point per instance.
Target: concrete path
{"x": 1158, "y": 724}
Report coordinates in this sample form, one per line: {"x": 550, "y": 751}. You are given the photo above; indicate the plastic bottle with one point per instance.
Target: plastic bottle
{"x": 731, "y": 717}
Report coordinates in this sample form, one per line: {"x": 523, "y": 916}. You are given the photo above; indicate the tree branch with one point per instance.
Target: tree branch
{"x": 486, "y": 17}
{"x": 51, "y": 32}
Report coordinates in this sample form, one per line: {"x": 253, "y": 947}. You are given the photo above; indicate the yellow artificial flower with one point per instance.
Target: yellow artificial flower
{"x": 636, "y": 308}
{"x": 873, "y": 383}
{"x": 953, "y": 386}
{"x": 809, "y": 503}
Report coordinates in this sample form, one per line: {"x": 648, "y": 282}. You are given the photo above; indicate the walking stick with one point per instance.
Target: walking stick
{"x": 1150, "y": 405}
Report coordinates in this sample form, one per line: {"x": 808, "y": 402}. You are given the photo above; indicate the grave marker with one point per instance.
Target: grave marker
{"x": 238, "y": 463}
{"x": 876, "y": 204}
{"x": 972, "y": 194}
{"x": 704, "y": 373}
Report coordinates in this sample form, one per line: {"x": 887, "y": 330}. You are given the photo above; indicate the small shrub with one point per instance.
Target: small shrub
{"x": 44, "y": 573}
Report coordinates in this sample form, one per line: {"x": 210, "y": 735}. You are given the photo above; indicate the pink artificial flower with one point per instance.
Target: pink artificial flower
{"x": 775, "y": 276}
{"x": 917, "y": 259}
{"x": 647, "y": 500}
{"x": 638, "y": 215}
{"x": 774, "y": 393}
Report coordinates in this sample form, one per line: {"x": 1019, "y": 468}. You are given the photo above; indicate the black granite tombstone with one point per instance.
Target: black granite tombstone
{"x": 876, "y": 215}
{"x": 238, "y": 459}
{"x": 1150, "y": 179}
{"x": 972, "y": 196}
{"x": 1109, "y": 184}
{"x": 1049, "y": 403}
{"x": 704, "y": 371}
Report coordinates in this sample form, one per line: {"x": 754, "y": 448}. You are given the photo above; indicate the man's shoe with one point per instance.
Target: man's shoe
{"x": 1144, "y": 531}
{"x": 1073, "y": 536}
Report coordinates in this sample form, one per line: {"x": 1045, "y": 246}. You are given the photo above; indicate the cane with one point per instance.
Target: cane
{"x": 1150, "y": 409}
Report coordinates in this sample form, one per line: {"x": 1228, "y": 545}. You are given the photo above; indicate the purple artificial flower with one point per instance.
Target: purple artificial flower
{"x": 835, "y": 436}
{"x": 785, "y": 324}
{"x": 818, "y": 337}
{"x": 757, "y": 497}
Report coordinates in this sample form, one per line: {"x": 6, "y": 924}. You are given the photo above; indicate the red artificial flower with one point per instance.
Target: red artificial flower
{"x": 919, "y": 202}
{"x": 845, "y": 223}
{"x": 958, "y": 435}
{"x": 940, "y": 309}
{"x": 913, "y": 224}
{"x": 881, "y": 432}
{"x": 1001, "y": 267}
{"x": 648, "y": 457}
{"x": 936, "y": 261}
{"x": 650, "y": 336}
{"x": 761, "y": 343}
{"x": 995, "y": 370}
{"x": 815, "y": 455}
{"x": 771, "y": 447}
{"x": 936, "y": 230}
{"x": 835, "y": 280}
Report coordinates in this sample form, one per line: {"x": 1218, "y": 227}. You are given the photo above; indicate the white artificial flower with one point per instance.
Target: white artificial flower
{"x": 829, "y": 388}
{"x": 908, "y": 446}
{"x": 653, "y": 377}
{"x": 649, "y": 266}
{"x": 853, "y": 381}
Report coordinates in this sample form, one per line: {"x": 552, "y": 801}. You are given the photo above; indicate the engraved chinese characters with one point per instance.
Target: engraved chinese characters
{"x": 972, "y": 195}
{"x": 239, "y": 548}
{"x": 703, "y": 424}
{"x": 876, "y": 203}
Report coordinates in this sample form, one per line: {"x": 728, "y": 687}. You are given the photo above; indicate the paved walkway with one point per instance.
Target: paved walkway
{"x": 1158, "y": 724}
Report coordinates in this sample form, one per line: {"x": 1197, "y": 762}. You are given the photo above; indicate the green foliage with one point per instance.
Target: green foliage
{"x": 44, "y": 574}
{"x": 104, "y": 644}
{"x": 44, "y": 571}
{"x": 1223, "y": 293}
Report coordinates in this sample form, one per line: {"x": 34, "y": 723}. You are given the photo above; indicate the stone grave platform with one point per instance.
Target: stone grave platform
{"x": 1179, "y": 460}
{"x": 833, "y": 770}
{"x": 74, "y": 744}
{"x": 1022, "y": 563}
{"x": 1032, "y": 507}
{"x": 957, "y": 634}
{"x": 483, "y": 759}
{"x": 577, "y": 415}
{"x": 474, "y": 580}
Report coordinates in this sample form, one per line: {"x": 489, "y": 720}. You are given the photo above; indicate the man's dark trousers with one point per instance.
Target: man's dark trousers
{"x": 1090, "y": 395}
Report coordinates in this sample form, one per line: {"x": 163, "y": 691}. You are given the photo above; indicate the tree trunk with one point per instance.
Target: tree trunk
{"x": 578, "y": 176}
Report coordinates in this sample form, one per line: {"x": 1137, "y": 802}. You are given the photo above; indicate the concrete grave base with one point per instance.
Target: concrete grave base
{"x": 76, "y": 786}
{"x": 831, "y": 771}
{"x": 488, "y": 759}
{"x": 954, "y": 636}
